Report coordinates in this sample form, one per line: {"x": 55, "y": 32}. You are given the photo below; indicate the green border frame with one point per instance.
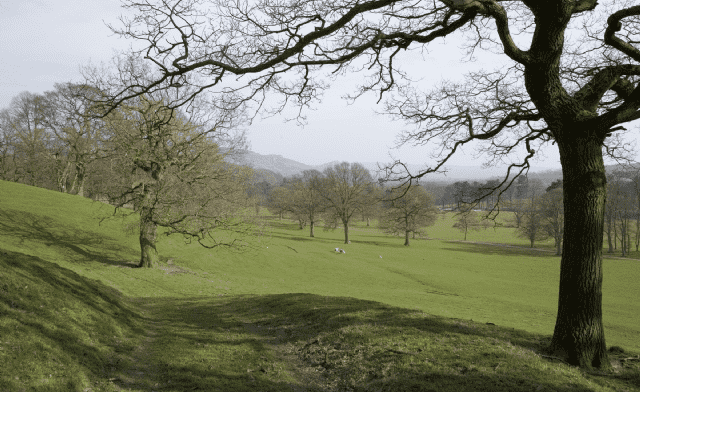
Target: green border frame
{"x": 670, "y": 407}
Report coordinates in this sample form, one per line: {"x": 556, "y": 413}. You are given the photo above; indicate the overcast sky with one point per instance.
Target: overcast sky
{"x": 45, "y": 42}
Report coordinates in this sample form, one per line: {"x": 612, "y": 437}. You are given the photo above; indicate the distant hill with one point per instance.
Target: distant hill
{"x": 275, "y": 163}
{"x": 285, "y": 167}
{"x": 261, "y": 175}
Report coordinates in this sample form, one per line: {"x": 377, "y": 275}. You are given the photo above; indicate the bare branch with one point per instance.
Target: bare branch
{"x": 493, "y": 9}
{"x": 606, "y": 79}
{"x": 614, "y": 25}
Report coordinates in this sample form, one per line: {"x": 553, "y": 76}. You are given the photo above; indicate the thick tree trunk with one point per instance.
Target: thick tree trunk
{"x": 407, "y": 241}
{"x": 312, "y": 224}
{"x": 345, "y": 230}
{"x": 578, "y": 336}
{"x": 79, "y": 180}
{"x": 148, "y": 236}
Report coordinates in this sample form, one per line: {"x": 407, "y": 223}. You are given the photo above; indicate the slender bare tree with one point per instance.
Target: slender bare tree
{"x": 467, "y": 219}
{"x": 572, "y": 79}
{"x": 552, "y": 216}
{"x": 346, "y": 189}
{"x": 408, "y": 213}
{"x": 532, "y": 225}
{"x": 309, "y": 203}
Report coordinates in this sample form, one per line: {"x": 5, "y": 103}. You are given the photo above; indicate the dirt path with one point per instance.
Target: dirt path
{"x": 197, "y": 346}
{"x": 138, "y": 371}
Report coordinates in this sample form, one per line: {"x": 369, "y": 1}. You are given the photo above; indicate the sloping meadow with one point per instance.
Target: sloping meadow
{"x": 285, "y": 313}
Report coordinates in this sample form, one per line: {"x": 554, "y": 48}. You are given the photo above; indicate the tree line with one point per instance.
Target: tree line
{"x": 171, "y": 168}
{"x": 347, "y": 192}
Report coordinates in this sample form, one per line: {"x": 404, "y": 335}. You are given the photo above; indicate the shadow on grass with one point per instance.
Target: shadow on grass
{"x": 283, "y": 342}
{"x": 52, "y": 233}
{"x": 354, "y": 345}
{"x": 199, "y": 346}
{"x": 488, "y": 248}
{"x": 64, "y": 282}
{"x": 61, "y": 324}
{"x": 320, "y": 239}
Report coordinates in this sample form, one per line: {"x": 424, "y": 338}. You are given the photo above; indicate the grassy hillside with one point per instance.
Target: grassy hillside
{"x": 60, "y": 331}
{"x": 288, "y": 305}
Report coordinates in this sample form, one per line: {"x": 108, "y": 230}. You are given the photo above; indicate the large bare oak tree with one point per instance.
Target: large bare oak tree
{"x": 174, "y": 176}
{"x": 572, "y": 79}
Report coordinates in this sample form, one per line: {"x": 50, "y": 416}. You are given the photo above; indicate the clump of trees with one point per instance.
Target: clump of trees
{"x": 552, "y": 214}
{"x": 168, "y": 167}
{"x": 49, "y": 140}
{"x": 623, "y": 209}
{"x": 301, "y": 197}
{"x": 335, "y": 196}
{"x": 348, "y": 191}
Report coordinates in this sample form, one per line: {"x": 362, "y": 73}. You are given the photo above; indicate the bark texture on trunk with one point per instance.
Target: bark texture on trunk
{"x": 148, "y": 251}
{"x": 578, "y": 336}
{"x": 312, "y": 224}
{"x": 407, "y": 241}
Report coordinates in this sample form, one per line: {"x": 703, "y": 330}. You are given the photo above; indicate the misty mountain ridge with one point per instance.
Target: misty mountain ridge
{"x": 275, "y": 166}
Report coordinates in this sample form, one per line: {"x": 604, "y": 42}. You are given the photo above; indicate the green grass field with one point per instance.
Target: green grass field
{"x": 286, "y": 312}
